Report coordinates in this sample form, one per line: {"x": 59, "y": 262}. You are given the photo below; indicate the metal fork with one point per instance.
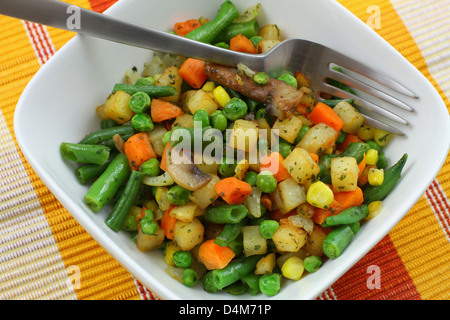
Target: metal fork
{"x": 376, "y": 94}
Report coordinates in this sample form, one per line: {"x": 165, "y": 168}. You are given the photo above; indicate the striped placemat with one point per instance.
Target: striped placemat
{"x": 44, "y": 251}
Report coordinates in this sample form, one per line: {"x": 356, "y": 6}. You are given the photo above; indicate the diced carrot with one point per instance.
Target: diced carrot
{"x": 214, "y": 256}
{"x": 267, "y": 202}
{"x": 138, "y": 149}
{"x": 278, "y": 215}
{"x": 233, "y": 190}
{"x": 342, "y": 200}
{"x": 274, "y": 163}
{"x": 183, "y": 28}
{"x": 241, "y": 43}
{"x": 168, "y": 223}
{"x": 163, "y": 164}
{"x": 302, "y": 109}
{"x": 315, "y": 157}
{"x": 362, "y": 165}
{"x": 325, "y": 114}
{"x": 193, "y": 72}
{"x": 349, "y": 138}
{"x": 161, "y": 110}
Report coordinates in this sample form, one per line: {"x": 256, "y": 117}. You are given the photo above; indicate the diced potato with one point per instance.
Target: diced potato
{"x": 202, "y": 100}
{"x": 318, "y": 139}
{"x": 277, "y": 201}
{"x": 269, "y": 32}
{"x": 264, "y": 125}
{"x": 292, "y": 194}
{"x": 188, "y": 234}
{"x": 185, "y": 98}
{"x": 117, "y": 108}
{"x": 244, "y": 135}
{"x": 161, "y": 198}
{"x": 350, "y": 116}
{"x": 131, "y": 76}
{"x": 306, "y": 210}
{"x": 155, "y": 137}
{"x": 307, "y": 100}
{"x": 266, "y": 45}
{"x": 344, "y": 174}
{"x": 146, "y": 242}
{"x": 169, "y": 250}
{"x": 302, "y": 81}
{"x": 266, "y": 264}
{"x": 241, "y": 169}
{"x": 288, "y": 128}
{"x": 100, "y": 110}
{"x": 184, "y": 212}
{"x": 313, "y": 246}
{"x": 185, "y": 121}
{"x": 301, "y": 166}
{"x": 171, "y": 77}
{"x": 289, "y": 238}
{"x": 299, "y": 221}
{"x": 252, "y": 241}
{"x": 205, "y": 196}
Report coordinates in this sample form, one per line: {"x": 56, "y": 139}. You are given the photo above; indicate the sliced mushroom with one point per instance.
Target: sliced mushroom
{"x": 184, "y": 172}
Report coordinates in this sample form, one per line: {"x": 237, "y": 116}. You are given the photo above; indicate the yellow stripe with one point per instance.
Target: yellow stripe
{"x": 418, "y": 238}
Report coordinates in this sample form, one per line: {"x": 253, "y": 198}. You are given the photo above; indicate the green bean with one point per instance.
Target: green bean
{"x": 126, "y": 200}
{"x": 89, "y": 172}
{"x": 267, "y": 228}
{"x": 226, "y": 213}
{"x": 255, "y": 40}
{"x": 333, "y": 102}
{"x": 178, "y": 195}
{"x": 373, "y": 145}
{"x": 325, "y": 167}
{"x": 252, "y": 282}
{"x": 182, "y": 259}
{"x": 139, "y": 102}
{"x": 341, "y": 137}
{"x": 222, "y": 45}
{"x": 236, "y": 289}
{"x": 237, "y": 245}
{"x": 84, "y": 153}
{"x": 129, "y": 223}
{"x": 347, "y": 216}
{"x": 142, "y": 122}
{"x": 210, "y": 30}
{"x": 235, "y": 109}
{"x": 103, "y": 189}
{"x": 108, "y": 123}
{"x": 152, "y": 91}
{"x": 381, "y": 163}
{"x": 150, "y": 167}
{"x": 248, "y": 29}
{"x": 270, "y": 284}
{"x": 355, "y": 150}
{"x": 234, "y": 271}
{"x": 336, "y": 241}
{"x": 103, "y": 135}
{"x": 229, "y": 232}
{"x": 391, "y": 177}
{"x": 252, "y": 105}
{"x": 219, "y": 121}
{"x": 355, "y": 227}
{"x": 208, "y": 282}
{"x": 312, "y": 263}
{"x": 250, "y": 178}
{"x": 190, "y": 277}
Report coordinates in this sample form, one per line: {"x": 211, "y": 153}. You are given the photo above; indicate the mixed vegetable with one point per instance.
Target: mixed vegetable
{"x": 235, "y": 224}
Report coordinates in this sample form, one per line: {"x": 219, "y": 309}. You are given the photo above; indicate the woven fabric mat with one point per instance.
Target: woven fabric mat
{"x": 41, "y": 244}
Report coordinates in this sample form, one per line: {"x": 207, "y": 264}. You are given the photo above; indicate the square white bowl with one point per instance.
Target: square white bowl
{"x": 59, "y": 105}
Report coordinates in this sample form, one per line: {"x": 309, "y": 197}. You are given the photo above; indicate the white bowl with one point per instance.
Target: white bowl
{"x": 59, "y": 105}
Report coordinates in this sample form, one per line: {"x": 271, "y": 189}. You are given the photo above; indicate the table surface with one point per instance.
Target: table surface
{"x": 41, "y": 244}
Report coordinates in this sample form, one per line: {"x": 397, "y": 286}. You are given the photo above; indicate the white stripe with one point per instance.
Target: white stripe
{"x": 439, "y": 203}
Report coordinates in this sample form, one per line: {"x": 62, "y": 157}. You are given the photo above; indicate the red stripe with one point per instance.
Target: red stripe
{"x": 101, "y": 5}
{"x": 33, "y": 40}
{"x": 41, "y": 46}
{"x": 46, "y": 39}
{"x": 438, "y": 206}
{"x": 395, "y": 281}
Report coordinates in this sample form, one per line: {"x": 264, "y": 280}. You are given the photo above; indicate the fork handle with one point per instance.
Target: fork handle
{"x": 62, "y": 15}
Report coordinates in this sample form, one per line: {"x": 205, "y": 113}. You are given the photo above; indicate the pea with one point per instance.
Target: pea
{"x": 201, "y": 116}
{"x": 219, "y": 121}
{"x": 166, "y": 137}
{"x": 178, "y": 195}
{"x": 182, "y": 259}
{"x": 261, "y": 78}
{"x": 270, "y": 284}
{"x": 267, "y": 228}
{"x": 139, "y": 102}
{"x": 190, "y": 277}
{"x": 266, "y": 182}
{"x": 250, "y": 178}
{"x": 148, "y": 224}
{"x": 227, "y": 169}
{"x": 235, "y": 109}
{"x": 289, "y": 79}
{"x": 142, "y": 122}
{"x": 129, "y": 223}
{"x": 283, "y": 148}
{"x": 150, "y": 167}
{"x": 312, "y": 263}
{"x": 262, "y": 113}
{"x": 304, "y": 129}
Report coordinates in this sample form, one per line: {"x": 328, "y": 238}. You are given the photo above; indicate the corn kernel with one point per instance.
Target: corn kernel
{"x": 293, "y": 268}
{"x": 372, "y": 157}
{"x": 209, "y": 86}
{"x": 382, "y": 137}
{"x": 374, "y": 209}
{"x": 170, "y": 249}
{"x": 319, "y": 195}
{"x": 221, "y": 96}
{"x": 376, "y": 176}
{"x": 365, "y": 132}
